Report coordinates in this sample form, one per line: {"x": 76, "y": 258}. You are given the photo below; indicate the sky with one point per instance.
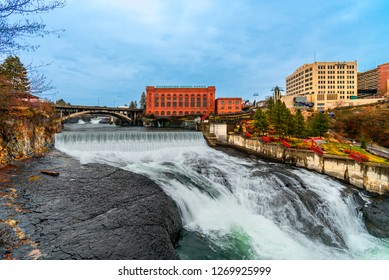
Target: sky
{"x": 111, "y": 50}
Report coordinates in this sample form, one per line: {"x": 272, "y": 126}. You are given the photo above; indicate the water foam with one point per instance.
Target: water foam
{"x": 278, "y": 212}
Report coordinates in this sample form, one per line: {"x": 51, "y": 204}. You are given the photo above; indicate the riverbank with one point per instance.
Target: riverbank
{"x": 371, "y": 177}
{"x": 89, "y": 211}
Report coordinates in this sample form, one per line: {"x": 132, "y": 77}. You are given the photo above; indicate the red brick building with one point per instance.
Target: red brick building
{"x": 374, "y": 81}
{"x": 180, "y": 100}
{"x": 228, "y": 105}
{"x": 383, "y": 79}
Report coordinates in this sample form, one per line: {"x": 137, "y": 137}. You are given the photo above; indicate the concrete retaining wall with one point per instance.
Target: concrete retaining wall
{"x": 372, "y": 177}
{"x": 220, "y": 130}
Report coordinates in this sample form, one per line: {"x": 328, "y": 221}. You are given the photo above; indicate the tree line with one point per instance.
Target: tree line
{"x": 279, "y": 120}
{"x": 142, "y": 102}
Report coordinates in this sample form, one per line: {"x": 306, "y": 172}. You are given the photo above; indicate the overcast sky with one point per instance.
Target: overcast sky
{"x": 111, "y": 50}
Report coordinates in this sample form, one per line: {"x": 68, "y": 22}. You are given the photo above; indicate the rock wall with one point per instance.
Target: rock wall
{"x": 372, "y": 177}
{"x": 26, "y": 137}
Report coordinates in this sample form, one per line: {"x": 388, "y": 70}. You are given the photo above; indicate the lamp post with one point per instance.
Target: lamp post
{"x": 255, "y": 101}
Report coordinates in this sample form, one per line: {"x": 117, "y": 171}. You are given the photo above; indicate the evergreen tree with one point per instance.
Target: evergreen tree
{"x": 62, "y": 102}
{"x": 291, "y": 124}
{"x": 142, "y": 102}
{"x": 8, "y": 100}
{"x": 136, "y": 105}
{"x": 270, "y": 103}
{"x": 300, "y": 124}
{"x": 278, "y": 116}
{"x": 15, "y": 73}
{"x": 260, "y": 121}
{"x": 320, "y": 124}
{"x": 132, "y": 105}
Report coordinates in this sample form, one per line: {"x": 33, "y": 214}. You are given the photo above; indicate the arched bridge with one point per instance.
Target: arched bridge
{"x": 125, "y": 114}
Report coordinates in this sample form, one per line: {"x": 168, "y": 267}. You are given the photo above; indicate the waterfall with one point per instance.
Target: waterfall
{"x": 234, "y": 207}
{"x": 127, "y": 141}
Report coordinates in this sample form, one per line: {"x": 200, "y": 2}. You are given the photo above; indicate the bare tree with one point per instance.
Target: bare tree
{"x": 18, "y": 20}
{"x": 38, "y": 81}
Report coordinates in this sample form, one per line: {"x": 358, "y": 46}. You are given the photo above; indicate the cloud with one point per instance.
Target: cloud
{"x": 113, "y": 49}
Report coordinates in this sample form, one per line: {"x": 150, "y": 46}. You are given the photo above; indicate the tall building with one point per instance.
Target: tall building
{"x": 228, "y": 105}
{"x": 180, "y": 100}
{"x": 322, "y": 85}
{"x": 374, "y": 81}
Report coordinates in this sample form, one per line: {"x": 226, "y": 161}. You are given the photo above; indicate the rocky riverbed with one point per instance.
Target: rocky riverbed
{"x": 88, "y": 212}
{"x": 96, "y": 211}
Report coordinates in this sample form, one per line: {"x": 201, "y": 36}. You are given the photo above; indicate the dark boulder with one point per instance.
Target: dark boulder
{"x": 376, "y": 215}
{"x": 93, "y": 211}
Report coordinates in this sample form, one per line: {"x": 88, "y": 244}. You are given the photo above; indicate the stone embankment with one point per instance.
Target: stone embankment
{"x": 87, "y": 212}
{"x": 371, "y": 177}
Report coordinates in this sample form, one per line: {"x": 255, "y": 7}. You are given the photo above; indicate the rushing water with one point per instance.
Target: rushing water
{"x": 234, "y": 207}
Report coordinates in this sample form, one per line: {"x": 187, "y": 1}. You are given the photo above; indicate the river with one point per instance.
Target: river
{"x": 234, "y": 207}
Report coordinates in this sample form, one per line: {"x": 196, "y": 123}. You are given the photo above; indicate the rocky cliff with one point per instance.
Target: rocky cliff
{"x": 26, "y": 135}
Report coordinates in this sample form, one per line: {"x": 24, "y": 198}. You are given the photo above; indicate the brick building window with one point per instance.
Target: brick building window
{"x": 162, "y": 100}
{"x": 186, "y": 100}
{"x": 174, "y": 101}
{"x": 192, "y": 100}
{"x": 198, "y": 99}
{"x": 180, "y": 103}
{"x": 169, "y": 101}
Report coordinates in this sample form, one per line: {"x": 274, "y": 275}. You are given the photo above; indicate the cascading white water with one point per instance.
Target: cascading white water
{"x": 95, "y": 120}
{"x": 236, "y": 207}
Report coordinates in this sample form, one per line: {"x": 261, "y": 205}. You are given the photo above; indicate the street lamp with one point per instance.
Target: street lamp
{"x": 255, "y": 94}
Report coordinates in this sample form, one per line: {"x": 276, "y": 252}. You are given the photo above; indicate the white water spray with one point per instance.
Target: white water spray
{"x": 279, "y": 212}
